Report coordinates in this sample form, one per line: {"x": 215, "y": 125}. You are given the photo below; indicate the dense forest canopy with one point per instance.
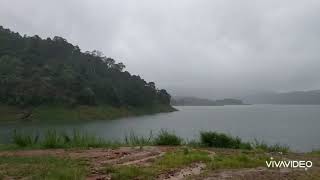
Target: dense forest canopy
{"x": 35, "y": 71}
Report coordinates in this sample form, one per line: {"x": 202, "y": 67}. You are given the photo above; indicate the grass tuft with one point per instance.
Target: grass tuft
{"x": 167, "y": 138}
{"x": 135, "y": 140}
{"x": 221, "y": 140}
{"x": 24, "y": 140}
{"x": 54, "y": 139}
{"x": 260, "y": 145}
{"x": 41, "y": 168}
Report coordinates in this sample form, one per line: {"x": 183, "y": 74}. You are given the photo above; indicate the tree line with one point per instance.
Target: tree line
{"x": 36, "y": 71}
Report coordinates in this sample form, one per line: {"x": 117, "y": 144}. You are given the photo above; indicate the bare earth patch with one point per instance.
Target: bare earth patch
{"x": 97, "y": 159}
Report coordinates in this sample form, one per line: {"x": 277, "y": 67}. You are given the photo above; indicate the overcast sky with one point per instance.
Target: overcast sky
{"x": 214, "y": 48}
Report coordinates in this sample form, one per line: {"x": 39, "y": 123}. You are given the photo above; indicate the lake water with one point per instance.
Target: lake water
{"x": 293, "y": 125}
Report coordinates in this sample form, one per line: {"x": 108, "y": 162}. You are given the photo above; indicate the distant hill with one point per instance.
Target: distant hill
{"x": 194, "y": 101}
{"x": 295, "y": 97}
{"x": 36, "y": 71}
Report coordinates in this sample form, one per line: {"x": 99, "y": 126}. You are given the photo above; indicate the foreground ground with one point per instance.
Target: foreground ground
{"x": 150, "y": 163}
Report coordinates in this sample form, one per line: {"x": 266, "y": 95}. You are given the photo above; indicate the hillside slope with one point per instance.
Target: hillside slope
{"x": 36, "y": 72}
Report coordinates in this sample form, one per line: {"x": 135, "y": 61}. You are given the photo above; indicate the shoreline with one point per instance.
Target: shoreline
{"x": 65, "y": 113}
{"x": 163, "y": 156}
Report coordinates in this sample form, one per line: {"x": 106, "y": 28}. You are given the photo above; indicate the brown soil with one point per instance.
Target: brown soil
{"x": 98, "y": 158}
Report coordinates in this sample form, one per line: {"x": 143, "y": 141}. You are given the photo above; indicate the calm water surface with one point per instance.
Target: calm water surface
{"x": 293, "y": 125}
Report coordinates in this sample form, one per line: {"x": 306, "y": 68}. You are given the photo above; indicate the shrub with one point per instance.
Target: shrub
{"x": 52, "y": 139}
{"x": 134, "y": 139}
{"x": 166, "y": 138}
{"x": 79, "y": 139}
{"x": 193, "y": 143}
{"x": 215, "y": 139}
{"x": 270, "y": 148}
{"x": 24, "y": 140}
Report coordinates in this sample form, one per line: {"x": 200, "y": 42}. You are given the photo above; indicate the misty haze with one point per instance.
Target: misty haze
{"x": 152, "y": 89}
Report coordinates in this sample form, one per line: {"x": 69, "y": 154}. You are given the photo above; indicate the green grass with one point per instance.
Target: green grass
{"x": 240, "y": 160}
{"x": 41, "y": 168}
{"x": 24, "y": 140}
{"x": 260, "y": 145}
{"x": 77, "y": 139}
{"x": 171, "y": 160}
{"x": 221, "y": 140}
{"x": 132, "y": 139}
{"x": 185, "y": 157}
{"x": 163, "y": 138}
{"x": 314, "y": 153}
{"x": 180, "y": 158}
{"x": 167, "y": 138}
{"x": 66, "y": 113}
{"x": 54, "y": 139}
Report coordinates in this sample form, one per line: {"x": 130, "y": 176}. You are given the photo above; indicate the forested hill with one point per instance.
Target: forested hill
{"x": 295, "y": 97}
{"x": 194, "y": 101}
{"x": 35, "y": 71}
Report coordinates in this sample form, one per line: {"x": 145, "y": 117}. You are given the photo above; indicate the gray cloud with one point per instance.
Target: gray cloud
{"x": 190, "y": 47}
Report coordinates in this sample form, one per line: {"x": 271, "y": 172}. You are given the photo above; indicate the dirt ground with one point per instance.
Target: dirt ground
{"x": 98, "y": 158}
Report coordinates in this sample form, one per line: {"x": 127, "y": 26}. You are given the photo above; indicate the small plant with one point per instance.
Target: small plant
{"x": 185, "y": 150}
{"x": 52, "y": 139}
{"x": 135, "y": 140}
{"x": 221, "y": 140}
{"x": 24, "y": 140}
{"x": 245, "y": 145}
{"x": 79, "y": 139}
{"x": 270, "y": 148}
{"x": 279, "y": 148}
{"x": 166, "y": 138}
{"x": 214, "y": 139}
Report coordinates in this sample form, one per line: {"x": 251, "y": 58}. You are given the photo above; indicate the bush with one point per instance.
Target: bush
{"x": 220, "y": 140}
{"x": 83, "y": 139}
{"x": 136, "y": 140}
{"x": 52, "y": 139}
{"x": 270, "y": 148}
{"x": 166, "y": 138}
{"x": 24, "y": 140}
